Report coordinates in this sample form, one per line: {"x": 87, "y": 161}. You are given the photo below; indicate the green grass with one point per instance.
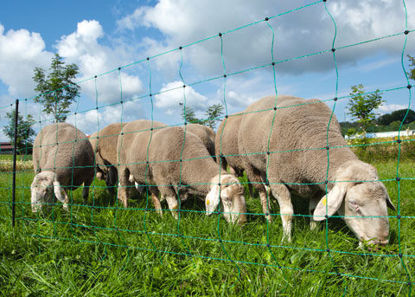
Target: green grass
{"x": 100, "y": 249}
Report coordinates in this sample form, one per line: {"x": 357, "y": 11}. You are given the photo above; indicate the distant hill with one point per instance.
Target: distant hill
{"x": 384, "y": 123}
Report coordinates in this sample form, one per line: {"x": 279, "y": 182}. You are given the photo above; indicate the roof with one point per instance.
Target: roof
{"x": 6, "y": 146}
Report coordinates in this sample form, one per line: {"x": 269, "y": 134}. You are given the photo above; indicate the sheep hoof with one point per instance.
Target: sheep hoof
{"x": 286, "y": 238}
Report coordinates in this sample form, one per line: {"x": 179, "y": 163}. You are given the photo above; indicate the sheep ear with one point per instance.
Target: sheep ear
{"x": 58, "y": 191}
{"x": 389, "y": 203}
{"x": 212, "y": 200}
{"x": 330, "y": 203}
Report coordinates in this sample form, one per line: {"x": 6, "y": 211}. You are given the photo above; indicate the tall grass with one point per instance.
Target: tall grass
{"x": 102, "y": 249}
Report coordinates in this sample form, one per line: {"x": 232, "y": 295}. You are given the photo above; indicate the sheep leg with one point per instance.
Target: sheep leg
{"x": 157, "y": 204}
{"x": 85, "y": 190}
{"x": 173, "y": 205}
{"x": 122, "y": 186}
{"x": 256, "y": 181}
{"x": 286, "y": 208}
{"x": 111, "y": 179}
{"x": 65, "y": 201}
{"x": 311, "y": 206}
{"x": 265, "y": 202}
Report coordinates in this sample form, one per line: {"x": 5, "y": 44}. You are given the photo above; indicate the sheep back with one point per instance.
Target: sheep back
{"x": 173, "y": 144}
{"x": 132, "y": 146}
{"x": 206, "y": 135}
{"x": 299, "y": 138}
{"x": 65, "y": 150}
{"x": 226, "y": 143}
{"x": 104, "y": 143}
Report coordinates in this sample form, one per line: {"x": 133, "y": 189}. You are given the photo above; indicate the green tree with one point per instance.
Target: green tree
{"x": 25, "y": 131}
{"x": 189, "y": 115}
{"x": 58, "y": 89}
{"x": 212, "y": 113}
{"x": 397, "y": 115}
{"x": 362, "y": 107}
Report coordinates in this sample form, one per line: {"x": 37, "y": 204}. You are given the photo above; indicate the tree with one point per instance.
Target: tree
{"x": 25, "y": 131}
{"x": 362, "y": 107}
{"x": 57, "y": 90}
{"x": 397, "y": 115}
{"x": 189, "y": 115}
{"x": 212, "y": 113}
{"x": 346, "y": 126}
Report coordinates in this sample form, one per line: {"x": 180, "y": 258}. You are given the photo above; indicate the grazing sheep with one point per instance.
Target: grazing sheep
{"x": 298, "y": 155}
{"x": 104, "y": 144}
{"x": 162, "y": 167}
{"x": 63, "y": 159}
{"x": 206, "y": 135}
{"x": 129, "y": 149}
{"x": 226, "y": 147}
{"x": 226, "y": 144}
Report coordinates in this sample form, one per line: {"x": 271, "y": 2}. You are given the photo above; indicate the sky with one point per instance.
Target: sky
{"x": 101, "y": 36}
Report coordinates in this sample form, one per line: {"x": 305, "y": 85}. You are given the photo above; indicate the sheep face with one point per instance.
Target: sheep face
{"x": 363, "y": 204}
{"x": 230, "y": 192}
{"x": 42, "y": 190}
{"x": 365, "y": 211}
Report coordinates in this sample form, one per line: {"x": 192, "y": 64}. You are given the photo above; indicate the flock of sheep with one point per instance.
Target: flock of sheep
{"x": 286, "y": 145}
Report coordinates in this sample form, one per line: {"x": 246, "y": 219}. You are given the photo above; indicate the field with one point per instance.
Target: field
{"x": 100, "y": 249}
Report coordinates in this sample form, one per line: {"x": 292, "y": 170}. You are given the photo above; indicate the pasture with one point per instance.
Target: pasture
{"x": 104, "y": 249}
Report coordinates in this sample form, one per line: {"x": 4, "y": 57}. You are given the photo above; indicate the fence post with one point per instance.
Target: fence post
{"x": 16, "y": 117}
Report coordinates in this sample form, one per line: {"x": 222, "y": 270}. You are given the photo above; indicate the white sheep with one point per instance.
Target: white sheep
{"x": 63, "y": 160}
{"x": 104, "y": 144}
{"x": 158, "y": 165}
{"x": 298, "y": 162}
{"x": 227, "y": 153}
{"x": 206, "y": 135}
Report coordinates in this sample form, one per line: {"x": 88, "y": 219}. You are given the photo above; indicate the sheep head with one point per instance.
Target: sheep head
{"x": 45, "y": 187}
{"x": 42, "y": 189}
{"x": 228, "y": 190}
{"x": 362, "y": 200}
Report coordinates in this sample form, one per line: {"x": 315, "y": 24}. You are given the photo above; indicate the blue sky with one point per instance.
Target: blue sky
{"x": 100, "y": 36}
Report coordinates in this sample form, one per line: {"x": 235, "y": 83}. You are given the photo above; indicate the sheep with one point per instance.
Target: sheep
{"x": 299, "y": 154}
{"x": 227, "y": 153}
{"x": 63, "y": 159}
{"x": 104, "y": 144}
{"x": 161, "y": 166}
{"x": 125, "y": 146}
{"x": 206, "y": 135}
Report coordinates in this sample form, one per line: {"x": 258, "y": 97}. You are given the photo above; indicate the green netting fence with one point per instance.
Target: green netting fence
{"x": 225, "y": 242}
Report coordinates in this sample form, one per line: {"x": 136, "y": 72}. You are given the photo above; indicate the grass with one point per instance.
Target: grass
{"x": 102, "y": 249}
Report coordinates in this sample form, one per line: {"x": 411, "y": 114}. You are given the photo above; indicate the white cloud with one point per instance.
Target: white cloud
{"x": 378, "y": 64}
{"x": 298, "y": 33}
{"x": 94, "y": 120}
{"x": 387, "y": 108}
{"x": 83, "y": 48}
{"x": 173, "y": 94}
{"x": 20, "y": 52}
{"x": 3, "y": 137}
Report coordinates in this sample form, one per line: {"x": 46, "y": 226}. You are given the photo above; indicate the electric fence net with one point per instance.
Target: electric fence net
{"x": 104, "y": 220}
